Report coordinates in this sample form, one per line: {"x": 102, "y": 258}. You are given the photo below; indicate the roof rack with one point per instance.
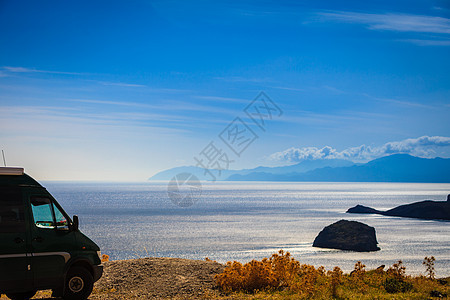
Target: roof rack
{"x": 11, "y": 171}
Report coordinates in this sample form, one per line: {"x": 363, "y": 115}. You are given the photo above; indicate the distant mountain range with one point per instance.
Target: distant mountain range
{"x": 301, "y": 167}
{"x": 394, "y": 168}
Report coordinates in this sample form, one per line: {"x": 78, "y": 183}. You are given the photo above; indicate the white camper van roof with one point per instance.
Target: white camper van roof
{"x": 11, "y": 171}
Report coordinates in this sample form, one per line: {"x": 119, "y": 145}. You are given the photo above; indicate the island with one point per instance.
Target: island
{"x": 348, "y": 235}
{"x": 427, "y": 210}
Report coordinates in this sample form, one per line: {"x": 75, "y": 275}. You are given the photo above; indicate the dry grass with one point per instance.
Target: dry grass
{"x": 282, "y": 277}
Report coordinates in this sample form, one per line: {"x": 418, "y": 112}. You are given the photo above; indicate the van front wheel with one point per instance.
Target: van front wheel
{"x": 21, "y": 296}
{"x": 79, "y": 284}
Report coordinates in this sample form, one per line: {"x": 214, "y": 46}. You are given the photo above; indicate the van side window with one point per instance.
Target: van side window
{"x": 12, "y": 218}
{"x": 47, "y": 215}
{"x": 42, "y": 212}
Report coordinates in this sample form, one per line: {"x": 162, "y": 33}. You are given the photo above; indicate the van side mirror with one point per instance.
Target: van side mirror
{"x": 75, "y": 223}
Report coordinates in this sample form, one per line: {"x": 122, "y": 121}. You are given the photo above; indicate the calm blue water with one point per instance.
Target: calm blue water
{"x": 243, "y": 221}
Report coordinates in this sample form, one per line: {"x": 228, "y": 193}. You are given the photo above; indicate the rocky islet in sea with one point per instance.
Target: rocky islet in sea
{"x": 427, "y": 209}
{"x": 348, "y": 235}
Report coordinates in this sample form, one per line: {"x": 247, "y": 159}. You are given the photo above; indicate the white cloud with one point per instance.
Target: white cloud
{"x": 397, "y": 22}
{"x": 243, "y": 79}
{"x": 168, "y": 105}
{"x": 393, "y": 21}
{"x": 19, "y": 69}
{"x": 28, "y": 70}
{"x": 122, "y": 84}
{"x": 223, "y": 99}
{"x": 427, "y": 42}
{"x": 287, "y": 88}
{"x": 424, "y": 146}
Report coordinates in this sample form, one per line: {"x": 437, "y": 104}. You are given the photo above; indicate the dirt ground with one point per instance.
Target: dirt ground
{"x": 154, "y": 278}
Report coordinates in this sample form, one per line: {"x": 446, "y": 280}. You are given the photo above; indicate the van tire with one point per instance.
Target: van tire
{"x": 79, "y": 284}
{"x": 21, "y": 296}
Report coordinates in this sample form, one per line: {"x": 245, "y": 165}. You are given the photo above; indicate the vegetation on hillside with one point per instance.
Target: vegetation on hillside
{"x": 277, "y": 278}
{"x": 283, "y": 277}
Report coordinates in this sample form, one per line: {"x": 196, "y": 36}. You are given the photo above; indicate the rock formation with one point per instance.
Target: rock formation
{"x": 348, "y": 235}
{"x": 428, "y": 210}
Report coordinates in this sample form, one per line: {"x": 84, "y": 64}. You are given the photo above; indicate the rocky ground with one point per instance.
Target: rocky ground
{"x": 154, "y": 278}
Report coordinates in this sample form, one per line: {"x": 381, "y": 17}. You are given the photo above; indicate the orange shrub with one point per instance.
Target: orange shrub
{"x": 284, "y": 267}
{"x": 255, "y": 275}
{"x": 279, "y": 271}
{"x": 305, "y": 282}
{"x": 398, "y": 270}
{"x": 336, "y": 278}
{"x": 281, "y": 276}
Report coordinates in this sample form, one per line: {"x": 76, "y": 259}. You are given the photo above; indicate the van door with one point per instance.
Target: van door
{"x": 15, "y": 261}
{"x": 51, "y": 240}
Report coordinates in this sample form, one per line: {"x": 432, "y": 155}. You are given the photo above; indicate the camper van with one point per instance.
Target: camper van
{"x": 41, "y": 247}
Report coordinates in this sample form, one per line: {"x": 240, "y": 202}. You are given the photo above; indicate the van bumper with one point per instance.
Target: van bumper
{"x": 98, "y": 272}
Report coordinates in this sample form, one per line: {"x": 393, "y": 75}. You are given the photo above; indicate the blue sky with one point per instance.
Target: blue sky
{"x": 119, "y": 90}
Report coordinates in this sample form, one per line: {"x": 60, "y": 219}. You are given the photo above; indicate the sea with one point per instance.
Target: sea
{"x": 241, "y": 221}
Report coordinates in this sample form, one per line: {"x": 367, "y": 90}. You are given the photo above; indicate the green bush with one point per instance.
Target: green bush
{"x": 395, "y": 285}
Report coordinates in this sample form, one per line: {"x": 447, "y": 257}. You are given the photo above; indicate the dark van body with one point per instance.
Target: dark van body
{"x": 40, "y": 246}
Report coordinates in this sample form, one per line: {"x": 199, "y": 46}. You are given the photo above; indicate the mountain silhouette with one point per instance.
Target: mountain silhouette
{"x": 300, "y": 167}
{"x": 393, "y": 168}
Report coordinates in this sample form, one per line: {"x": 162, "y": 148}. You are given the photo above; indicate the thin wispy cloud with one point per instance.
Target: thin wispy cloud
{"x": 20, "y": 70}
{"x": 424, "y": 146}
{"x": 30, "y": 70}
{"x": 397, "y": 102}
{"x": 137, "y": 85}
{"x": 107, "y": 102}
{"x": 310, "y": 118}
{"x": 334, "y": 89}
{"x": 401, "y": 23}
{"x": 166, "y": 105}
{"x": 222, "y": 99}
{"x": 140, "y": 114}
{"x": 6, "y": 71}
{"x": 420, "y": 42}
{"x": 75, "y": 118}
{"x": 392, "y": 21}
{"x": 401, "y": 102}
{"x": 287, "y": 88}
{"x": 122, "y": 84}
{"x": 243, "y": 79}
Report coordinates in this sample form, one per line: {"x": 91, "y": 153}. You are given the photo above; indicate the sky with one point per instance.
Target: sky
{"x": 119, "y": 90}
